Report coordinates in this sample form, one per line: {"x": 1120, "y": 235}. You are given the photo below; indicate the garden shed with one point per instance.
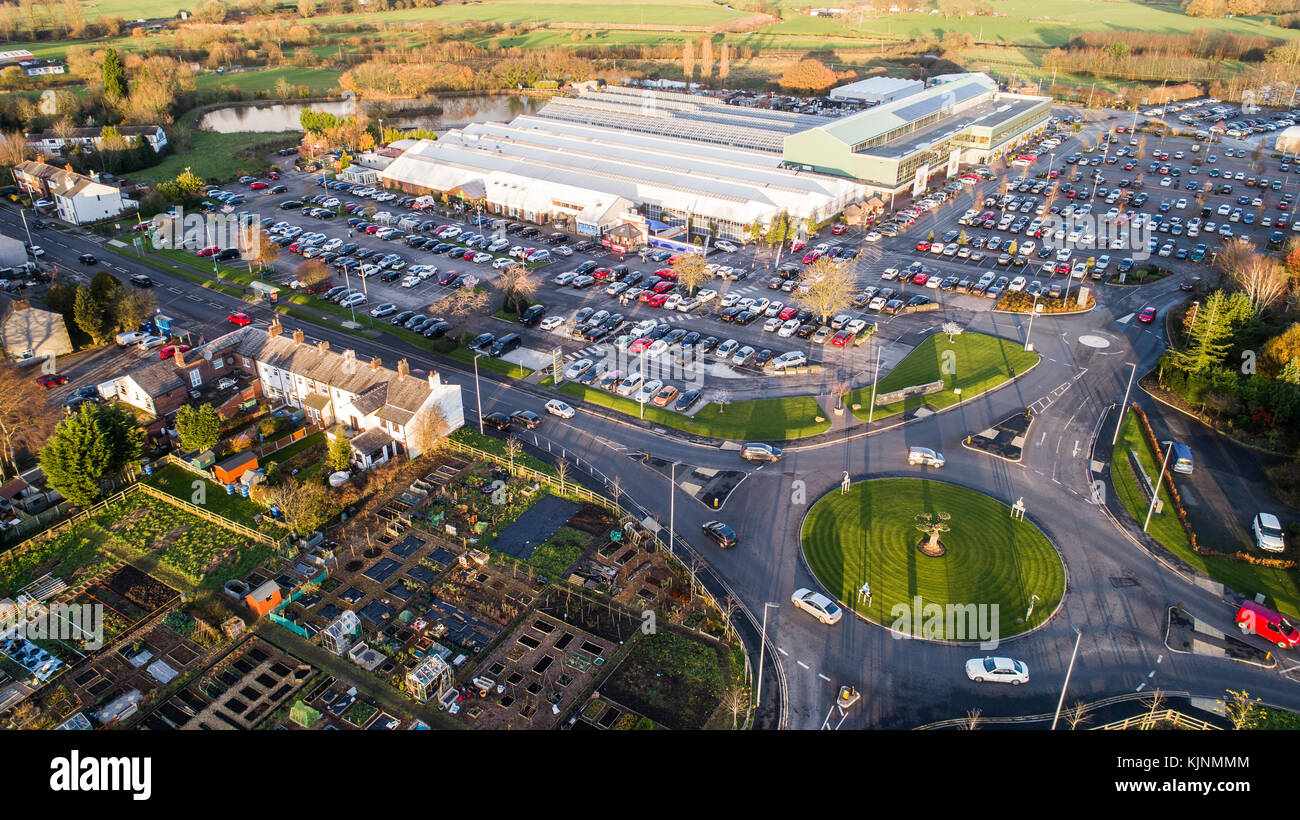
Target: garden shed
{"x": 229, "y": 471}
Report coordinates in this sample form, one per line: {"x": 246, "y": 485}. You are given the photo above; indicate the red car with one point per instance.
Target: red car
{"x": 171, "y": 350}
{"x": 273, "y": 175}
{"x": 923, "y": 245}
{"x": 813, "y": 256}
{"x": 796, "y": 246}
{"x": 239, "y": 319}
{"x": 640, "y": 345}
{"x": 600, "y": 273}
{"x": 51, "y": 380}
{"x": 657, "y": 299}
{"x": 1254, "y": 619}
{"x": 787, "y": 313}
{"x": 842, "y": 338}
{"x": 1062, "y": 267}
{"x": 838, "y": 229}
{"x": 1147, "y": 315}
{"x": 921, "y": 278}
{"x": 209, "y": 250}
{"x": 259, "y": 185}
{"x": 666, "y": 273}
{"x": 663, "y": 287}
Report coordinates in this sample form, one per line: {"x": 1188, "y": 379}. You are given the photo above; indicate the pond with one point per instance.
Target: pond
{"x": 439, "y": 113}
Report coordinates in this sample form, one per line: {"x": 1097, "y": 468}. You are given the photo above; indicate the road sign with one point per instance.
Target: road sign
{"x": 557, "y": 361}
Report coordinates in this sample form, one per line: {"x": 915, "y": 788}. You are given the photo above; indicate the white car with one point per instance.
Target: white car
{"x": 384, "y": 310}
{"x": 998, "y": 670}
{"x": 1017, "y": 284}
{"x": 772, "y": 325}
{"x": 130, "y": 337}
{"x": 787, "y": 330}
{"x": 648, "y": 390}
{"x": 551, "y": 322}
{"x": 794, "y": 358}
{"x": 576, "y": 369}
{"x": 873, "y": 236}
{"x": 629, "y": 385}
{"x": 727, "y": 349}
{"x": 707, "y": 295}
{"x": 817, "y": 605}
{"x": 503, "y": 263}
{"x": 773, "y": 309}
{"x": 410, "y": 281}
{"x": 558, "y": 408}
{"x": 1268, "y": 533}
{"x": 657, "y": 348}
{"x": 724, "y": 246}
{"x": 150, "y": 342}
{"x": 481, "y": 258}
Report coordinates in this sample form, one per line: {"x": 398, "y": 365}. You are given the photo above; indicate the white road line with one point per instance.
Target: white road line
{"x": 782, "y": 651}
{"x": 1141, "y": 687}
{"x": 823, "y": 677}
{"x": 804, "y": 665}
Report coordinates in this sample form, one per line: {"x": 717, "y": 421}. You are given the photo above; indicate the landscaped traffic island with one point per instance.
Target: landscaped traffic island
{"x": 881, "y": 533}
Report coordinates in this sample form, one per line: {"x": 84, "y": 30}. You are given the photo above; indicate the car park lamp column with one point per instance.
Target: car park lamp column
{"x": 1066, "y": 685}
{"x": 762, "y": 647}
{"x": 1155, "y": 492}
{"x": 875, "y": 377}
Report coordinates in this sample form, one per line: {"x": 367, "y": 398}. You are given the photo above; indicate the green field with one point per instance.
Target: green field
{"x": 217, "y": 156}
{"x": 181, "y": 483}
{"x": 319, "y": 80}
{"x": 975, "y": 363}
{"x": 1280, "y": 585}
{"x": 754, "y": 420}
{"x": 595, "y": 12}
{"x": 869, "y": 535}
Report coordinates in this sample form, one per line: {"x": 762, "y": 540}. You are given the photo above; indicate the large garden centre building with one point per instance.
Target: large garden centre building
{"x": 588, "y": 162}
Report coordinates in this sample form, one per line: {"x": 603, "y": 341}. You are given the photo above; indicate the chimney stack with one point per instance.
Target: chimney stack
{"x": 403, "y": 368}
{"x": 323, "y": 346}
{"x": 375, "y": 363}
{"x": 21, "y": 304}
{"x": 351, "y": 355}
{"x": 297, "y": 336}
{"x": 179, "y": 356}
{"x": 434, "y": 379}
{"x": 275, "y": 328}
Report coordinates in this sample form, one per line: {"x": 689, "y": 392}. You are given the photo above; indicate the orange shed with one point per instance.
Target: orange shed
{"x": 229, "y": 471}
{"x": 264, "y": 599}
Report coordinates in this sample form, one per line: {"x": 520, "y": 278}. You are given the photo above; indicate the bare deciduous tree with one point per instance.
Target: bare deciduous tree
{"x": 953, "y": 330}
{"x": 691, "y": 271}
{"x": 1262, "y": 279}
{"x": 25, "y": 421}
{"x": 519, "y": 284}
{"x": 827, "y": 287}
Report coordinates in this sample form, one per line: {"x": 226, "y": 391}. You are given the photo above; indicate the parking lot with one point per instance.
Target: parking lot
{"x": 1071, "y": 209}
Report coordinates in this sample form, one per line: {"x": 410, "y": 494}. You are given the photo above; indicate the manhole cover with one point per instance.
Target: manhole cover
{"x": 1094, "y": 341}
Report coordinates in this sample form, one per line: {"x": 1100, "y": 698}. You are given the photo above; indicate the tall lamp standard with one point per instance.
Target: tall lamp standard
{"x": 1077, "y": 636}
{"x": 1124, "y": 407}
{"x": 762, "y": 647}
{"x": 1155, "y": 493}
{"x": 478, "y": 399}
{"x": 875, "y": 377}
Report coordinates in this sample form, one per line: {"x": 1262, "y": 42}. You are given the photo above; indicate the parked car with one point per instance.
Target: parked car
{"x": 1268, "y": 532}
{"x": 558, "y": 408}
{"x": 760, "y": 452}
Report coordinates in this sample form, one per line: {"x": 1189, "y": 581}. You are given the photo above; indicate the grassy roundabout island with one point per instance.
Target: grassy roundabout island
{"x": 869, "y": 535}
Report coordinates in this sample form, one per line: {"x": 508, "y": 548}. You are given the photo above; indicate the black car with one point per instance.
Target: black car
{"x": 500, "y": 421}
{"x": 483, "y": 342}
{"x": 141, "y": 281}
{"x": 764, "y": 356}
{"x": 687, "y": 400}
{"x": 87, "y": 259}
{"x": 290, "y": 204}
{"x": 226, "y": 254}
{"x": 526, "y": 419}
{"x": 724, "y": 536}
{"x": 402, "y": 317}
{"x": 586, "y": 267}
{"x": 531, "y": 316}
{"x": 436, "y": 329}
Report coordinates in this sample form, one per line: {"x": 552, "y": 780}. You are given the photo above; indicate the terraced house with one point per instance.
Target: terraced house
{"x": 384, "y": 412}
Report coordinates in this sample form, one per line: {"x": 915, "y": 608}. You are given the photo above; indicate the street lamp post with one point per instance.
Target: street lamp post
{"x": 1032, "y": 312}
{"x": 478, "y": 398}
{"x": 672, "y": 503}
{"x": 1155, "y": 491}
{"x": 762, "y": 647}
{"x": 1077, "y": 636}
{"x": 875, "y": 377}
{"x": 1124, "y": 407}
{"x": 641, "y": 365}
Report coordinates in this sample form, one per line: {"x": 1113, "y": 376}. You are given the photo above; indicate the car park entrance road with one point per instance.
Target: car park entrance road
{"x": 1116, "y": 593}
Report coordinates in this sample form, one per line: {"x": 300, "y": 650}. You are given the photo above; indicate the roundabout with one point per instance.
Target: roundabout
{"x": 933, "y": 560}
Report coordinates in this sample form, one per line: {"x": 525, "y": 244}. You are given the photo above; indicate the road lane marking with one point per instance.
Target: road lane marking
{"x": 804, "y": 665}
{"x": 823, "y": 677}
{"x": 782, "y": 651}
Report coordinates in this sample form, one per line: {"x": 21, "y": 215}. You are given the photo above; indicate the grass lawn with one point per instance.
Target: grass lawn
{"x": 869, "y": 535}
{"x": 74, "y": 555}
{"x": 218, "y": 156}
{"x": 464, "y": 354}
{"x": 675, "y": 681}
{"x": 975, "y": 363}
{"x": 289, "y": 451}
{"x": 559, "y": 552}
{"x": 1279, "y": 585}
{"x": 755, "y": 420}
{"x": 665, "y": 12}
{"x": 179, "y": 482}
